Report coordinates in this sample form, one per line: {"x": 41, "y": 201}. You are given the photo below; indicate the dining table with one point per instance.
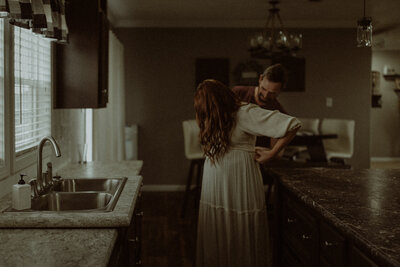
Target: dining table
{"x": 314, "y": 144}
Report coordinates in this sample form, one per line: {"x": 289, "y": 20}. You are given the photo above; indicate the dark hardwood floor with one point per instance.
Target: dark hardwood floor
{"x": 168, "y": 239}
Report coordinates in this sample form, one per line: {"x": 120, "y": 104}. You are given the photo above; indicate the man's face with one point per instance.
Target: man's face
{"x": 268, "y": 90}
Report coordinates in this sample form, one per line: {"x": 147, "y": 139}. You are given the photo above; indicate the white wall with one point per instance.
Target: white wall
{"x": 385, "y": 121}
{"x": 160, "y": 84}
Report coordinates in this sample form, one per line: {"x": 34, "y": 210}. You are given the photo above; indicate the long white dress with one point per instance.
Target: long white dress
{"x": 232, "y": 225}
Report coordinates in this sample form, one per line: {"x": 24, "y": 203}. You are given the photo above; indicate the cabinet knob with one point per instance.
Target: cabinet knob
{"x": 328, "y": 244}
{"x": 139, "y": 262}
{"x": 104, "y": 91}
{"x": 134, "y": 240}
{"x": 139, "y": 214}
{"x": 289, "y": 220}
{"x": 305, "y": 236}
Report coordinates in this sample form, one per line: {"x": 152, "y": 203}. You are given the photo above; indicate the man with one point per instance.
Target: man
{"x": 265, "y": 94}
{"x": 270, "y": 83}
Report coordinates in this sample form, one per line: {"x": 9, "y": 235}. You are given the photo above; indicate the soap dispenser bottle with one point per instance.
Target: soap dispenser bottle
{"x": 21, "y": 195}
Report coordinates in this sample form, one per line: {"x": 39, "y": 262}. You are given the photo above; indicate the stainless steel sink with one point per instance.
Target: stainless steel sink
{"x": 110, "y": 185}
{"x": 79, "y": 195}
{"x": 57, "y": 201}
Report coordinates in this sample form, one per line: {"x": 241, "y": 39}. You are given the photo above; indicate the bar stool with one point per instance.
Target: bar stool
{"x": 194, "y": 153}
{"x": 341, "y": 148}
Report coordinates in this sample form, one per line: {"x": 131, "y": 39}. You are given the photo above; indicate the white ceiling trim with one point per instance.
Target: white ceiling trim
{"x": 228, "y": 24}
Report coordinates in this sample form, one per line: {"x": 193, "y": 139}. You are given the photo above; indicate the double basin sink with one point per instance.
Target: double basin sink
{"x": 81, "y": 195}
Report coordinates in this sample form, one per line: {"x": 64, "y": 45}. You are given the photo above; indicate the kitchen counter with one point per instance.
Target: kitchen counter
{"x": 56, "y": 247}
{"x": 102, "y": 169}
{"x": 363, "y": 204}
{"x": 68, "y": 239}
{"x": 119, "y": 217}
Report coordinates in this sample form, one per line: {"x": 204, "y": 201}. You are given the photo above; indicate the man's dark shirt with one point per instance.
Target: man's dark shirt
{"x": 246, "y": 94}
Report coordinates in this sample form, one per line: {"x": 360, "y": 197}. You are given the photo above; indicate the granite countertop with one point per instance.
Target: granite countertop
{"x": 102, "y": 169}
{"x": 119, "y": 217}
{"x": 364, "y": 204}
{"x": 56, "y": 247}
{"x": 83, "y": 246}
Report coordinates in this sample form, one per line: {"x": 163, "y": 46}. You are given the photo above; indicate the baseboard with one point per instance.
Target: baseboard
{"x": 384, "y": 159}
{"x": 164, "y": 188}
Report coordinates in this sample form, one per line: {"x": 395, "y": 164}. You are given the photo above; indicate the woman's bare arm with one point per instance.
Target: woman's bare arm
{"x": 264, "y": 155}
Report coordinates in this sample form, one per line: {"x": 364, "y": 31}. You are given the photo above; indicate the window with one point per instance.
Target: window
{"x": 25, "y": 96}
{"x": 32, "y": 89}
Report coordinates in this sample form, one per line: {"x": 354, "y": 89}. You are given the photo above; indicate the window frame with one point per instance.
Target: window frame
{"x": 14, "y": 163}
{"x": 5, "y": 170}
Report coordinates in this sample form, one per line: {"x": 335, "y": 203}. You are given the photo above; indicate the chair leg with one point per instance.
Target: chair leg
{"x": 188, "y": 184}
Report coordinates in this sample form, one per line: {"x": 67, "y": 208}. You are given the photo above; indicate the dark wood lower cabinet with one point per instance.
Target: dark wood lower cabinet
{"x": 299, "y": 232}
{"x": 359, "y": 259}
{"x": 127, "y": 249}
{"x": 332, "y": 246}
{"x": 306, "y": 238}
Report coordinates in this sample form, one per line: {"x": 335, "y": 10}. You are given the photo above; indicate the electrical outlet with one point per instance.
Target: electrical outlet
{"x": 329, "y": 102}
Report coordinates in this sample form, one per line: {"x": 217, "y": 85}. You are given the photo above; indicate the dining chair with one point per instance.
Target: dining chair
{"x": 341, "y": 148}
{"x": 309, "y": 126}
{"x": 195, "y": 154}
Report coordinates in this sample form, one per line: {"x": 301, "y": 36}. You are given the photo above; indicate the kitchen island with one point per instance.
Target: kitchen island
{"x": 337, "y": 217}
{"x": 72, "y": 239}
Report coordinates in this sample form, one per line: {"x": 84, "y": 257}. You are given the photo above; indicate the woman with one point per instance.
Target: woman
{"x": 232, "y": 227}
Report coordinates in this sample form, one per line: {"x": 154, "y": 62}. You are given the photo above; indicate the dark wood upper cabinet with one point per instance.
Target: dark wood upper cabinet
{"x": 81, "y": 65}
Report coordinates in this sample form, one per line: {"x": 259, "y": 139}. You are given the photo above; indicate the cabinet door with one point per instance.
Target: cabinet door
{"x": 103, "y": 79}
{"x": 299, "y": 231}
{"x": 289, "y": 258}
{"x": 81, "y": 66}
{"x": 134, "y": 234}
{"x": 332, "y": 246}
{"x": 359, "y": 259}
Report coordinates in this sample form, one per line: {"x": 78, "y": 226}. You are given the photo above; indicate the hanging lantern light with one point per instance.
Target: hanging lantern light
{"x": 364, "y": 31}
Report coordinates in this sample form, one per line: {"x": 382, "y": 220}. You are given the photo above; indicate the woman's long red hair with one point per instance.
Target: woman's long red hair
{"x": 216, "y": 108}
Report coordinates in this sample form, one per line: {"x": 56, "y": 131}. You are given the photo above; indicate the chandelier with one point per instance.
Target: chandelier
{"x": 364, "y": 31}
{"x": 274, "y": 41}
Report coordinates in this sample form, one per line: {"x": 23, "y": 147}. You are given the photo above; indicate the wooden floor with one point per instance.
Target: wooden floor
{"x": 167, "y": 239}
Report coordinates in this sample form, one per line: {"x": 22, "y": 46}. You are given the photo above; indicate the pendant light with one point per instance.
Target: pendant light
{"x": 364, "y": 31}
{"x": 275, "y": 40}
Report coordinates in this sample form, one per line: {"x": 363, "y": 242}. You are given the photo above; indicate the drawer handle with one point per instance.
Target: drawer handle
{"x": 134, "y": 240}
{"x": 305, "y": 236}
{"x": 329, "y": 244}
{"x": 139, "y": 214}
{"x": 289, "y": 220}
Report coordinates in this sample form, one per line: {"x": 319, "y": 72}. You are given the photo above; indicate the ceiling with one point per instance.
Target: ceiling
{"x": 253, "y": 13}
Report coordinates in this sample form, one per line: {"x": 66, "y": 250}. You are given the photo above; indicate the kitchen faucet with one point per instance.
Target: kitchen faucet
{"x": 57, "y": 151}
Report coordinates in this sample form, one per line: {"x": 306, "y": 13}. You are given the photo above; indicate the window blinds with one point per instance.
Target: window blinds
{"x": 2, "y": 118}
{"x": 32, "y": 87}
